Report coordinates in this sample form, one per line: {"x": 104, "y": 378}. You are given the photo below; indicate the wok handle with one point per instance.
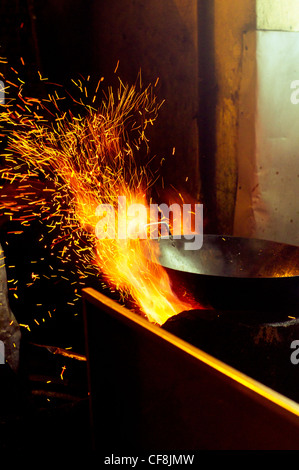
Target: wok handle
{"x": 169, "y": 235}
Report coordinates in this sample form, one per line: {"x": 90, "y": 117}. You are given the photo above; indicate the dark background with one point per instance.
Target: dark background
{"x": 65, "y": 39}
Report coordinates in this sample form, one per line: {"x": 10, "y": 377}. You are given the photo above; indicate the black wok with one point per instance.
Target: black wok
{"x": 234, "y": 273}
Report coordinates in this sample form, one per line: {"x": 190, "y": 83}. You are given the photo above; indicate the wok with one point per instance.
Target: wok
{"x": 235, "y": 273}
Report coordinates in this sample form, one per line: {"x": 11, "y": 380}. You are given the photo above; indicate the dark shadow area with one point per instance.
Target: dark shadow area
{"x": 207, "y": 111}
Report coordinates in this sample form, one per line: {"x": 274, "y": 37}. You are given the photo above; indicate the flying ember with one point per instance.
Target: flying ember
{"x": 90, "y": 157}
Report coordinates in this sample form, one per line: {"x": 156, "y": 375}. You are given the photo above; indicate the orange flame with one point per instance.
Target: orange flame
{"x": 91, "y": 161}
{"x": 132, "y": 266}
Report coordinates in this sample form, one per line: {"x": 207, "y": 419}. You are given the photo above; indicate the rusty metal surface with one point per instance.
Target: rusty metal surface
{"x": 151, "y": 390}
{"x": 9, "y": 328}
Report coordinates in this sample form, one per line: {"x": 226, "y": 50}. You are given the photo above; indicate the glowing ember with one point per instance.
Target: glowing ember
{"x": 87, "y": 159}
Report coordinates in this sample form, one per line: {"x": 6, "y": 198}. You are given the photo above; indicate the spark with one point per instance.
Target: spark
{"x": 90, "y": 157}
{"x": 62, "y": 372}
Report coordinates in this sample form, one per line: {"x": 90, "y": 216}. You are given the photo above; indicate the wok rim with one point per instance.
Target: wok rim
{"x": 209, "y": 236}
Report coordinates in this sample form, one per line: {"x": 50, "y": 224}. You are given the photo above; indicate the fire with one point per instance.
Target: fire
{"x": 88, "y": 159}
